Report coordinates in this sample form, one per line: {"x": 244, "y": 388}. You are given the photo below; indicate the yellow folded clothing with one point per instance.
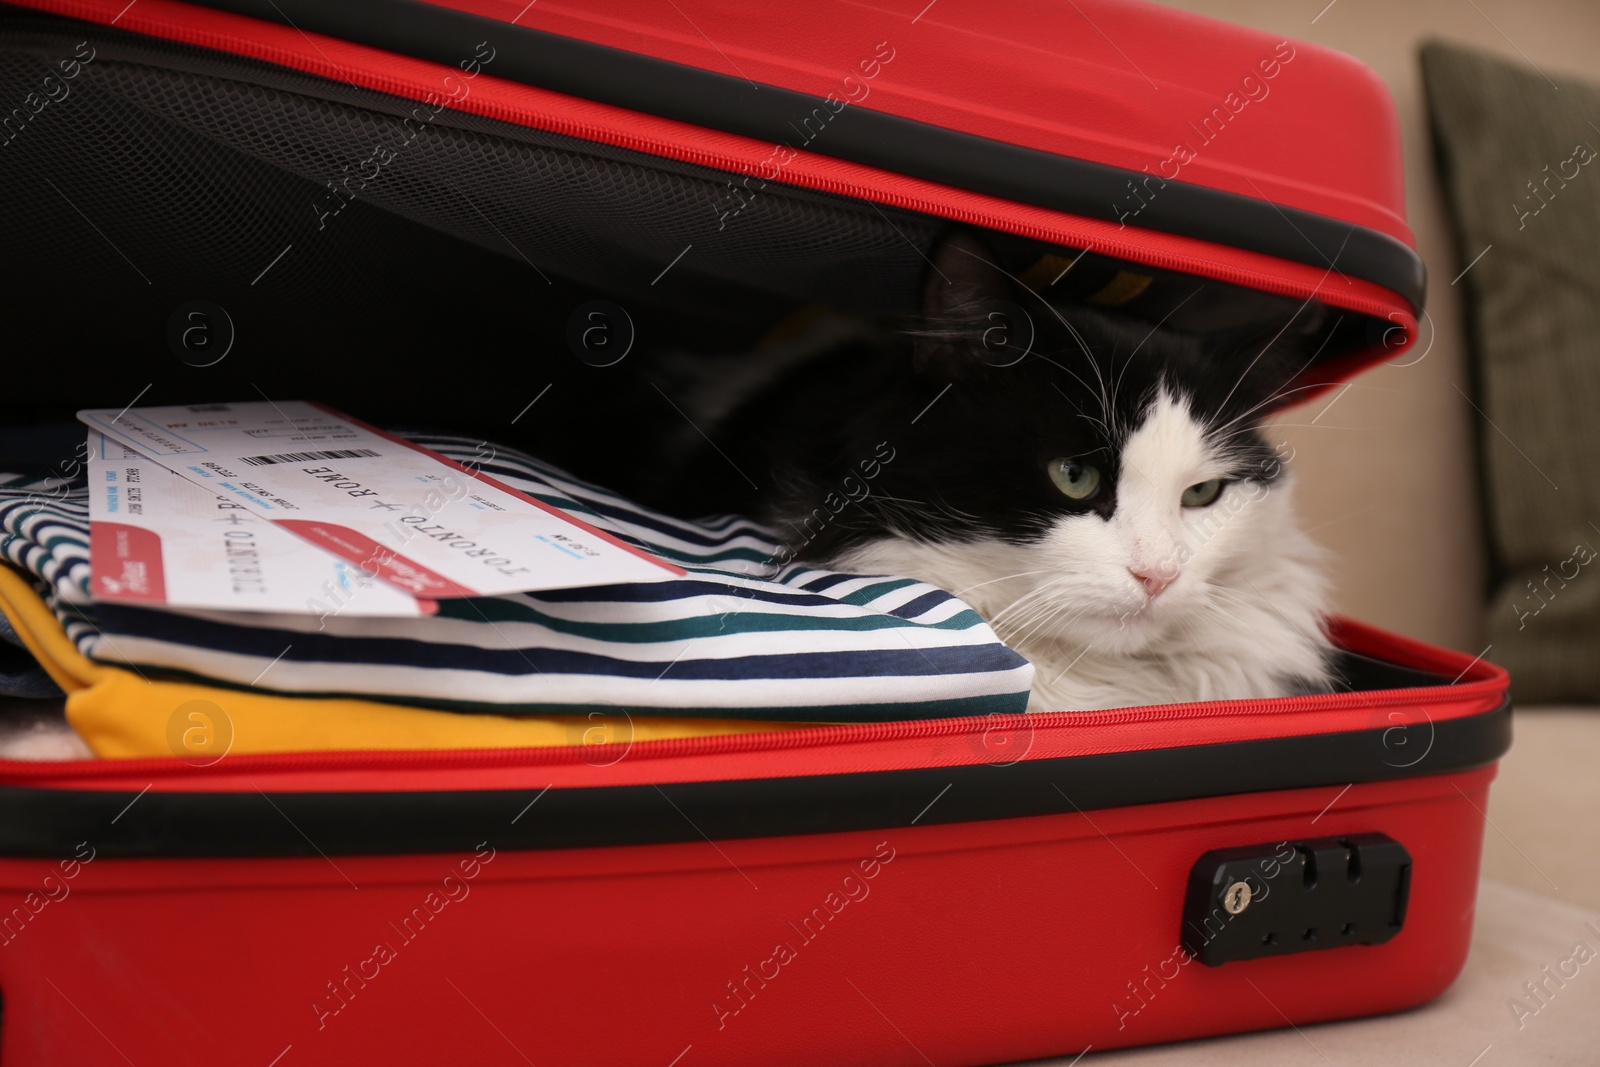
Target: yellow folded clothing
{"x": 124, "y": 713}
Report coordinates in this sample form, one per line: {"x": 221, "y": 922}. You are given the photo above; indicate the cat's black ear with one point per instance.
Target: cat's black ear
{"x": 967, "y": 301}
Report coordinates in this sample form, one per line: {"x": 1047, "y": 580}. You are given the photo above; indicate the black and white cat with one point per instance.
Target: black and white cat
{"x": 1107, "y": 501}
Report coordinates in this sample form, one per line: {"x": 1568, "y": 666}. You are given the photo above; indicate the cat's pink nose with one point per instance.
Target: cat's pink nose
{"x": 1154, "y": 582}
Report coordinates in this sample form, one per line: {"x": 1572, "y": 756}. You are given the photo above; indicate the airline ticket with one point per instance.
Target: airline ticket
{"x": 156, "y": 538}
{"x": 425, "y": 524}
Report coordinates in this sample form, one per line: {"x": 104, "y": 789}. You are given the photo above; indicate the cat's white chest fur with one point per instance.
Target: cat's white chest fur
{"x": 1238, "y": 615}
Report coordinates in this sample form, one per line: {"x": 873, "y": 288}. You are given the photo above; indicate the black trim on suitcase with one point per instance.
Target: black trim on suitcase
{"x": 49, "y": 822}
{"x": 980, "y": 164}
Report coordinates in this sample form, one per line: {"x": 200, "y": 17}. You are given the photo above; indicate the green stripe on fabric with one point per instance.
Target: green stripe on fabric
{"x": 867, "y": 594}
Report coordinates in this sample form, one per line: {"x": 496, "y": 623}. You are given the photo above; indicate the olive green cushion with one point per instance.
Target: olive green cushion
{"x": 1520, "y": 161}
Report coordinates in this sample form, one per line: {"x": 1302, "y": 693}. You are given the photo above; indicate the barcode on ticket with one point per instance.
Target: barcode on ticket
{"x": 306, "y": 457}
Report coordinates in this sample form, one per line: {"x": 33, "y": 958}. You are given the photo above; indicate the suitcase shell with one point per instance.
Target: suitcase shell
{"x": 705, "y": 901}
{"x": 960, "y": 891}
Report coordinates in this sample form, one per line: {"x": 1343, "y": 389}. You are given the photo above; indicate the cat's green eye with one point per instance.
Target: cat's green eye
{"x": 1198, "y": 496}
{"x": 1076, "y": 479}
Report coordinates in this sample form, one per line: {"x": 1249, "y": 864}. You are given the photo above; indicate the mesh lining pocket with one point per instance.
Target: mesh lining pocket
{"x": 231, "y": 159}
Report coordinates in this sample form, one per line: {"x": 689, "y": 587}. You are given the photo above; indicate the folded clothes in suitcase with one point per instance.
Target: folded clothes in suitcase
{"x": 737, "y": 635}
{"x": 959, "y": 890}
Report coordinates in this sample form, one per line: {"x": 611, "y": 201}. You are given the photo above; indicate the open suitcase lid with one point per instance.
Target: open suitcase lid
{"x": 1117, "y": 127}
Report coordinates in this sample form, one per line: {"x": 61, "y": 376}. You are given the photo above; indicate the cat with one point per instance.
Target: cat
{"x": 1104, "y": 498}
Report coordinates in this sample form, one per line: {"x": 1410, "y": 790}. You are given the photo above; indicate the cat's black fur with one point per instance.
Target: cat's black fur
{"x": 942, "y": 433}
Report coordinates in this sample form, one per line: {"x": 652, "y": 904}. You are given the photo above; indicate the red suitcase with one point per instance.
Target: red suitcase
{"x": 1040, "y": 884}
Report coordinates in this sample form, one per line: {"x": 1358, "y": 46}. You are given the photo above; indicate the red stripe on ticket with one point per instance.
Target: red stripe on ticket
{"x": 125, "y": 563}
{"x": 374, "y": 558}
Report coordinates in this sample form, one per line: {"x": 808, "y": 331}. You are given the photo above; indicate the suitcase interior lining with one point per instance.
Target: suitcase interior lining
{"x": 427, "y": 281}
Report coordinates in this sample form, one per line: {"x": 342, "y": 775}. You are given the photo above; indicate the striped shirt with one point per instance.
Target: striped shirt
{"x": 740, "y": 635}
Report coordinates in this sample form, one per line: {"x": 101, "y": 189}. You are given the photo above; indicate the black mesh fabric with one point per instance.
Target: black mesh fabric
{"x": 215, "y": 164}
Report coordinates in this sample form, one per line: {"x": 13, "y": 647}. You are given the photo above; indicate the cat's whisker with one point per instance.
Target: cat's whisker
{"x": 1040, "y": 616}
{"x": 1049, "y": 621}
{"x": 1016, "y": 635}
{"x": 1279, "y": 394}
{"x": 1100, "y": 393}
{"x": 1094, "y": 365}
{"x": 1082, "y": 344}
{"x": 1269, "y": 401}
{"x": 1025, "y": 608}
{"x": 1266, "y": 347}
{"x": 1238, "y": 598}
{"x": 1087, "y": 389}
{"x": 1022, "y": 607}
{"x": 1220, "y": 610}
{"x": 1004, "y": 578}
{"x": 1020, "y": 640}
{"x": 1116, "y": 386}
{"x": 940, "y": 505}
{"x": 1088, "y": 418}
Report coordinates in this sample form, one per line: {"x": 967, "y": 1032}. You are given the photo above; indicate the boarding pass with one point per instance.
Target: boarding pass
{"x": 158, "y": 539}
{"x": 425, "y": 524}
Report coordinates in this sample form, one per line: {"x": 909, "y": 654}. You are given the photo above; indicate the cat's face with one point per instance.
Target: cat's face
{"x": 1052, "y": 528}
{"x": 1111, "y": 488}
{"x": 1190, "y": 512}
